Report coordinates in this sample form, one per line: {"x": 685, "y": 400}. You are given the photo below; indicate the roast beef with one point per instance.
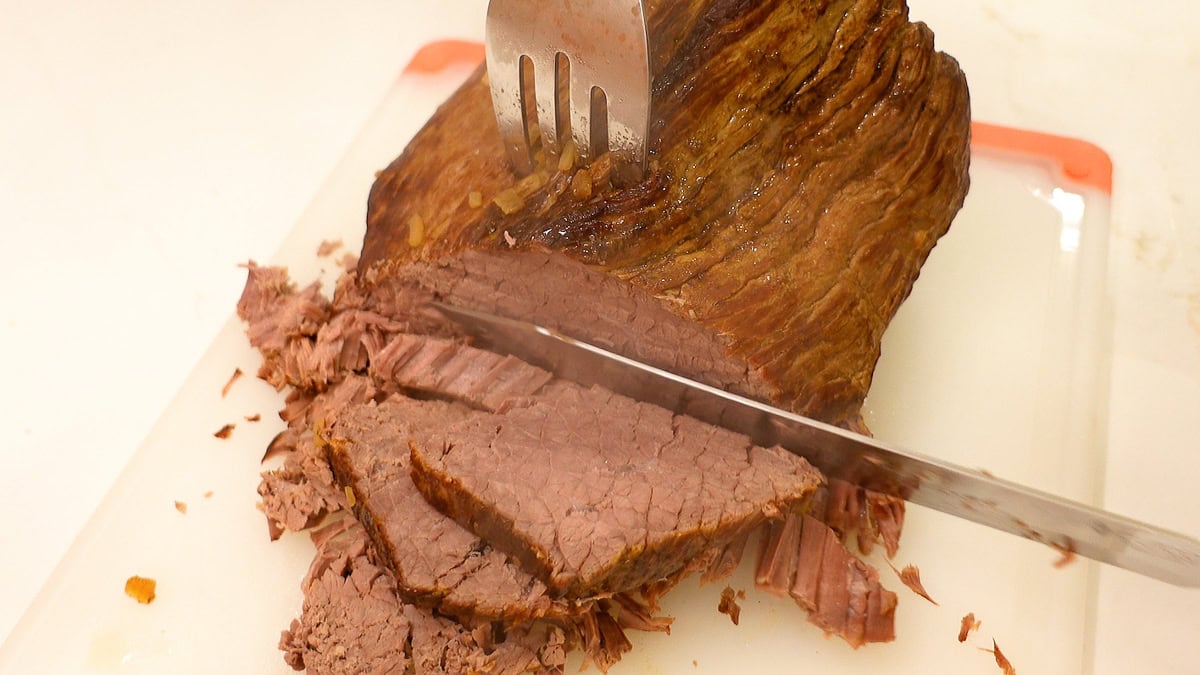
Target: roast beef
{"x": 597, "y": 493}
{"x": 301, "y": 491}
{"x": 431, "y": 560}
{"x": 354, "y": 622}
{"x": 450, "y": 369}
{"x": 805, "y": 158}
{"x": 435, "y": 561}
{"x": 869, "y": 516}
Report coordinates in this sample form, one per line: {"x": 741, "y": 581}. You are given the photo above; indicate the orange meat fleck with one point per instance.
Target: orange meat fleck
{"x": 224, "y": 432}
{"x": 140, "y": 589}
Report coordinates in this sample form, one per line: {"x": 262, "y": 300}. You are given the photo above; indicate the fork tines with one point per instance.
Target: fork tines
{"x": 589, "y": 64}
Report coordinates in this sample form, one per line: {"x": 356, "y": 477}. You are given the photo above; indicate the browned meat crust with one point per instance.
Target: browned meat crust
{"x": 806, "y": 157}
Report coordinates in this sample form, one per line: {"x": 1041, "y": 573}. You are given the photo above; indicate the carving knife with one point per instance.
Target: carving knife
{"x": 966, "y": 493}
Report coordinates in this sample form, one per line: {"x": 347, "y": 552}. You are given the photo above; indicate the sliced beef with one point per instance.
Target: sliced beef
{"x": 451, "y": 369}
{"x": 435, "y": 561}
{"x": 354, "y": 622}
{"x": 803, "y": 557}
{"x": 805, "y": 158}
{"x": 319, "y": 347}
{"x": 597, "y": 493}
{"x": 277, "y": 316}
{"x": 473, "y": 580}
{"x": 869, "y": 516}
{"x": 301, "y": 491}
{"x": 551, "y": 289}
{"x": 309, "y": 342}
{"x": 441, "y": 646}
{"x": 312, "y": 344}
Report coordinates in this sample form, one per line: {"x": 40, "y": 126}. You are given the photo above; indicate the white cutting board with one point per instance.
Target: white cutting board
{"x": 998, "y": 360}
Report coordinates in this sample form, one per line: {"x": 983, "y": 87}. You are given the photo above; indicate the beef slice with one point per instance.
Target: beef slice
{"x": 597, "y": 493}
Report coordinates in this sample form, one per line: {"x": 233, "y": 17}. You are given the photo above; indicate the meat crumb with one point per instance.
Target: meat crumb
{"x": 208, "y": 495}
{"x": 349, "y": 262}
{"x": 695, "y": 663}
{"x": 729, "y": 605}
{"x": 181, "y": 507}
{"x": 969, "y": 624}
{"x": 1001, "y": 660}
{"x": 253, "y": 418}
{"x": 1066, "y": 553}
{"x": 509, "y": 201}
{"x": 140, "y": 589}
{"x": 224, "y": 432}
{"x": 237, "y": 374}
{"x": 911, "y": 576}
{"x": 328, "y": 247}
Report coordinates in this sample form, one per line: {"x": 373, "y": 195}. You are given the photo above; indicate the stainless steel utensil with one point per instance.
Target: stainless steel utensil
{"x": 965, "y": 493}
{"x": 596, "y": 51}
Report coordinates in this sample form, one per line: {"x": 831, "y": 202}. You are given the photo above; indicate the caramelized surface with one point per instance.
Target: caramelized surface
{"x": 805, "y": 158}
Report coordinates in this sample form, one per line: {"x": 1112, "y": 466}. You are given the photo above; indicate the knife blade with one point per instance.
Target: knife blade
{"x": 921, "y": 479}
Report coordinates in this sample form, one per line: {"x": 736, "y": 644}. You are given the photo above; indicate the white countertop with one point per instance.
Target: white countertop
{"x": 147, "y": 148}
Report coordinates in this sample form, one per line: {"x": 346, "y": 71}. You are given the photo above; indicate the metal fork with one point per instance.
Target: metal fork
{"x": 600, "y": 46}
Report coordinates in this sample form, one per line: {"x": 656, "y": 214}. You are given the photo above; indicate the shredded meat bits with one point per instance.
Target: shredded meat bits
{"x": 1001, "y": 660}
{"x": 729, "y": 604}
{"x": 969, "y": 624}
